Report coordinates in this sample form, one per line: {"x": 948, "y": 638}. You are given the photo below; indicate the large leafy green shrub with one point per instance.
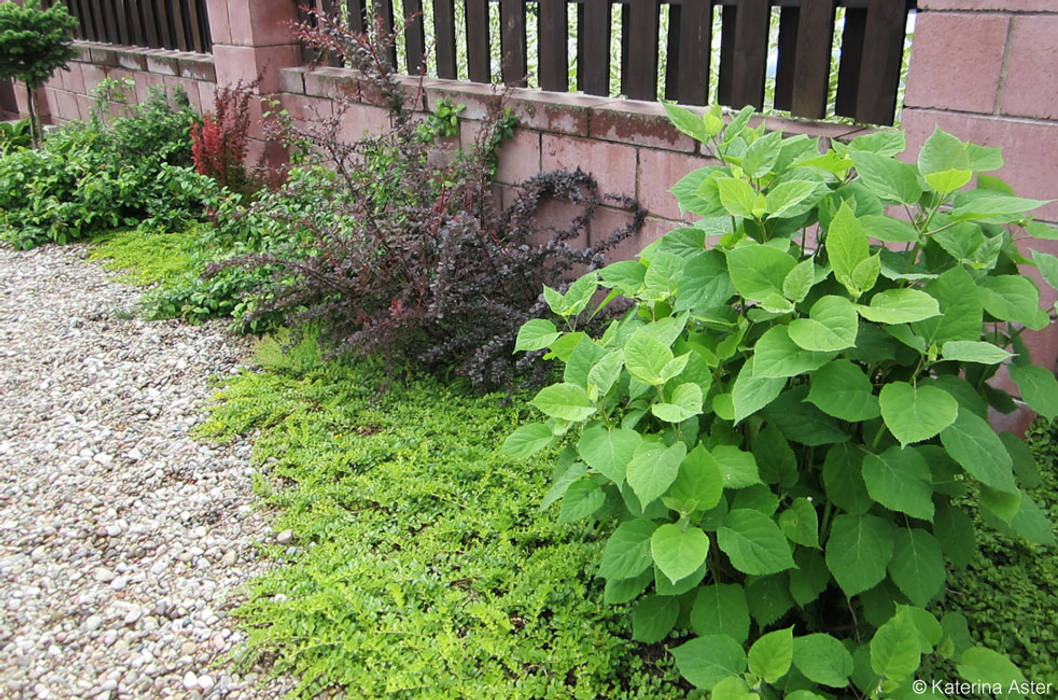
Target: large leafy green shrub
{"x": 33, "y": 43}
{"x": 106, "y": 173}
{"x": 786, "y": 433}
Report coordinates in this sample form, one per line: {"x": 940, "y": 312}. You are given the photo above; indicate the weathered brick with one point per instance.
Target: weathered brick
{"x": 261, "y": 22}
{"x": 956, "y": 61}
{"x": 292, "y": 79}
{"x": 613, "y": 165}
{"x": 989, "y": 5}
{"x": 519, "y": 157}
{"x": 658, "y": 172}
{"x": 558, "y": 112}
{"x": 198, "y": 67}
{"x": 639, "y": 123}
{"x": 331, "y": 82}
{"x": 359, "y": 119}
{"x": 219, "y": 27}
{"x": 1030, "y": 88}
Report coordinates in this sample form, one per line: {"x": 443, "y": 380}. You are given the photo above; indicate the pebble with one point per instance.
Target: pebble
{"x": 103, "y": 492}
{"x": 285, "y": 536}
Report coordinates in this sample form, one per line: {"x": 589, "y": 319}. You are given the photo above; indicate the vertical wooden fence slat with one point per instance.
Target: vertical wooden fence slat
{"x": 696, "y": 35}
{"x": 478, "y": 63}
{"x": 109, "y": 24}
{"x": 136, "y": 23}
{"x": 203, "y": 22}
{"x": 641, "y": 82}
{"x": 357, "y": 15}
{"x": 750, "y": 53}
{"x": 77, "y": 11}
{"x": 672, "y": 49}
{"x": 812, "y": 70}
{"x": 593, "y": 54}
{"x": 787, "y": 56}
{"x": 625, "y": 38}
{"x": 177, "y": 15}
{"x": 883, "y": 48}
{"x": 851, "y": 58}
{"x": 150, "y": 27}
{"x": 165, "y": 27}
{"x": 512, "y": 42}
{"x": 554, "y": 56}
{"x": 194, "y": 29}
{"x": 383, "y": 9}
{"x": 122, "y": 23}
{"x": 98, "y": 30}
{"x": 414, "y": 36}
{"x": 725, "y": 81}
{"x": 445, "y": 38}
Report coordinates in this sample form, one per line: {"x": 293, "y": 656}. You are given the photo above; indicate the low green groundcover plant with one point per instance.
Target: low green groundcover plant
{"x": 786, "y": 437}
{"x": 420, "y": 565}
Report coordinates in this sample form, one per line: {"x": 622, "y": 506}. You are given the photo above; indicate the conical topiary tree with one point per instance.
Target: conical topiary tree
{"x": 33, "y": 43}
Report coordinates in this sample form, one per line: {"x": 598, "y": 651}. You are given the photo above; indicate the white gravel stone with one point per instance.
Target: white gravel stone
{"x": 102, "y": 492}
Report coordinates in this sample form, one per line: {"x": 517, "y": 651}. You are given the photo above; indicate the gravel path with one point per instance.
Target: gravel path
{"x": 122, "y": 540}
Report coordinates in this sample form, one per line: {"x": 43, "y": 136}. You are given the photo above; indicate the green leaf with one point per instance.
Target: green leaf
{"x": 895, "y": 650}
{"x": 704, "y": 282}
{"x": 973, "y": 351}
{"x": 913, "y": 415}
{"x": 754, "y": 543}
{"x": 609, "y": 451}
{"x": 972, "y": 443}
{"x": 831, "y": 326}
{"x": 707, "y": 660}
{"x": 654, "y": 468}
{"x": 646, "y": 357}
{"x": 823, "y": 659}
{"x": 662, "y": 276}
{"x": 762, "y": 155}
{"x": 566, "y": 401}
{"x": 698, "y": 486}
{"x": 776, "y": 356}
{"x": 738, "y": 197}
{"x": 802, "y": 422}
{"x": 653, "y": 617}
{"x": 842, "y": 480}
{"x": 758, "y": 270}
{"x": 721, "y": 609}
{"x": 886, "y": 228}
{"x": 1038, "y": 388}
{"x": 810, "y": 578}
{"x": 981, "y": 665}
{"x": 580, "y": 362}
{"x": 1013, "y": 298}
{"x": 846, "y": 246}
{"x": 865, "y": 275}
{"x": 917, "y": 567}
{"x": 793, "y": 197}
{"x": 737, "y": 468}
{"x": 555, "y": 300}
{"x": 625, "y": 276}
{"x": 954, "y": 530}
{"x": 858, "y": 551}
{"x": 842, "y": 390}
{"x": 944, "y": 162}
{"x": 996, "y": 207}
{"x": 960, "y": 307}
{"x": 888, "y": 178}
{"x": 687, "y": 121}
{"x": 582, "y": 498}
{"x": 620, "y": 591}
{"x": 527, "y": 440}
{"x": 686, "y": 402}
{"x": 895, "y": 306}
{"x": 1024, "y": 462}
{"x": 605, "y": 373}
{"x": 689, "y": 192}
{"x": 564, "y": 475}
{"x": 678, "y": 552}
{"x": 1000, "y": 504}
{"x": 984, "y": 157}
{"x": 733, "y": 688}
{"x": 769, "y": 598}
{"x": 627, "y": 552}
{"x": 1048, "y": 266}
{"x": 800, "y": 523}
{"x": 1032, "y": 524}
{"x": 799, "y": 281}
{"x": 900, "y": 479}
{"x": 884, "y": 143}
{"x": 662, "y": 585}
{"x": 751, "y": 393}
{"x": 536, "y": 334}
{"x": 771, "y": 655}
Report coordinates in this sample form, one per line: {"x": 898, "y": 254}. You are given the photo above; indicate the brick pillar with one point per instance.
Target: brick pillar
{"x": 252, "y": 39}
{"x": 984, "y": 70}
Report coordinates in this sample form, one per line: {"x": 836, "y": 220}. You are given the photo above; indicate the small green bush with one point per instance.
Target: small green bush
{"x": 420, "y": 565}
{"x": 784, "y": 434}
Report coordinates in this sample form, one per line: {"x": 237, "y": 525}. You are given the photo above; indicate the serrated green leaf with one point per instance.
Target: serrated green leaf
{"x": 646, "y": 357}
{"x": 733, "y": 688}
{"x": 974, "y": 445}
{"x": 842, "y": 390}
{"x": 627, "y": 552}
{"x": 662, "y": 276}
{"x": 800, "y": 523}
{"x": 721, "y": 609}
{"x": 678, "y": 552}
{"x": 917, "y": 566}
{"x": 1032, "y": 524}
{"x": 982, "y": 665}
{"x": 802, "y": 422}
{"x": 846, "y": 245}
{"x": 758, "y": 270}
{"x": 698, "y": 486}
{"x": 536, "y": 334}
{"x": 582, "y": 498}
{"x": 916, "y": 414}
{"x": 888, "y": 178}
{"x": 842, "y": 480}
{"x": 900, "y": 480}
{"x": 973, "y": 351}
{"x": 1038, "y": 388}
{"x": 1012, "y": 298}
{"x": 566, "y": 401}
{"x": 823, "y": 659}
{"x": 954, "y": 531}
{"x": 704, "y": 282}
{"x": 653, "y": 617}
{"x": 751, "y": 393}
{"x": 831, "y": 326}
{"x": 799, "y": 281}
{"x": 527, "y": 440}
{"x": 620, "y": 591}
{"x": 737, "y": 196}
{"x": 564, "y": 476}
{"x": 810, "y": 578}
{"x": 858, "y": 551}
{"x": 793, "y": 197}
{"x": 707, "y": 660}
{"x": 895, "y": 650}
{"x": 686, "y": 402}
{"x": 894, "y": 306}
{"x": 886, "y": 228}
{"x": 754, "y": 543}
{"x": 737, "y": 468}
{"x": 606, "y": 371}
{"x": 626, "y": 276}
{"x": 654, "y": 468}
{"x": 776, "y": 356}
{"x": 609, "y": 451}
{"x": 771, "y": 655}
{"x": 687, "y": 121}
{"x": 1047, "y": 264}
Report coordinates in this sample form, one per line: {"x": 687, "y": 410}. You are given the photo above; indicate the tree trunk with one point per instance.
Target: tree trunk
{"x": 34, "y": 123}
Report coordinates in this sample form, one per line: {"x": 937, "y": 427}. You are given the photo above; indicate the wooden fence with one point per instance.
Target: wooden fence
{"x": 871, "y": 48}
{"x": 181, "y": 25}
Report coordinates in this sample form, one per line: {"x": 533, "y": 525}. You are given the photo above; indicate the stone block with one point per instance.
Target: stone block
{"x": 1030, "y": 88}
{"x": 613, "y": 165}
